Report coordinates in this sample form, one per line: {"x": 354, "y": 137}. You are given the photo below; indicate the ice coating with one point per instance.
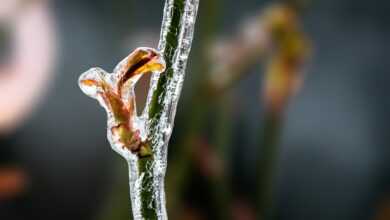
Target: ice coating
{"x": 143, "y": 140}
{"x": 162, "y": 125}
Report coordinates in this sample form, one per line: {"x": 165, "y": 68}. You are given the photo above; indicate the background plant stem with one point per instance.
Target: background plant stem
{"x": 220, "y": 181}
{"x": 270, "y": 134}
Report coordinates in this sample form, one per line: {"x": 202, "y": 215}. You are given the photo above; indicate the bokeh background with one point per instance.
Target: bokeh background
{"x": 55, "y": 162}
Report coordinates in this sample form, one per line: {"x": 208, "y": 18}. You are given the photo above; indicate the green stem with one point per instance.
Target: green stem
{"x": 148, "y": 205}
{"x": 175, "y": 45}
{"x": 266, "y": 164}
{"x": 221, "y": 185}
{"x": 156, "y": 106}
{"x": 198, "y": 105}
{"x": 172, "y": 42}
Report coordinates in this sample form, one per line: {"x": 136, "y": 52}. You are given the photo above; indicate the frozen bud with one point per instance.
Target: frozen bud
{"x": 115, "y": 92}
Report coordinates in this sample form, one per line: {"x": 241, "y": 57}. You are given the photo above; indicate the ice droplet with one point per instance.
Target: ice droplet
{"x": 89, "y": 81}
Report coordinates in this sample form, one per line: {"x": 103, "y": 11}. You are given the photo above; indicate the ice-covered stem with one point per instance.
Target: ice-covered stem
{"x": 282, "y": 80}
{"x": 175, "y": 44}
{"x": 143, "y": 140}
{"x": 179, "y": 166}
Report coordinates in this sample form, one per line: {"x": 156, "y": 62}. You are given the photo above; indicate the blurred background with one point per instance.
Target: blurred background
{"x": 316, "y": 148}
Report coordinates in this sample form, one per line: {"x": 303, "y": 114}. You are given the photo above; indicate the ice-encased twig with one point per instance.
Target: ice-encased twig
{"x": 143, "y": 140}
{"x": 175, "y": 44}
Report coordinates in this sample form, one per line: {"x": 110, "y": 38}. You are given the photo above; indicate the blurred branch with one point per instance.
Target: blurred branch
{"x": 220, "y": 178}
{"x": 263, "y": 35}
{"x": 282, "y": 80}
{"x": 232, "y": 58}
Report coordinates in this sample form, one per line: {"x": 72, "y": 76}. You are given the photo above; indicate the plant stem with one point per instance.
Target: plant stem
{"x": 266, "y": 164}
{"x": 283, "y": 79}
{"x": 221, "y": 182}
{"x": 148, "y": 205}
{"x": 175, "y": 44}
{"x": 198, "y": 104}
